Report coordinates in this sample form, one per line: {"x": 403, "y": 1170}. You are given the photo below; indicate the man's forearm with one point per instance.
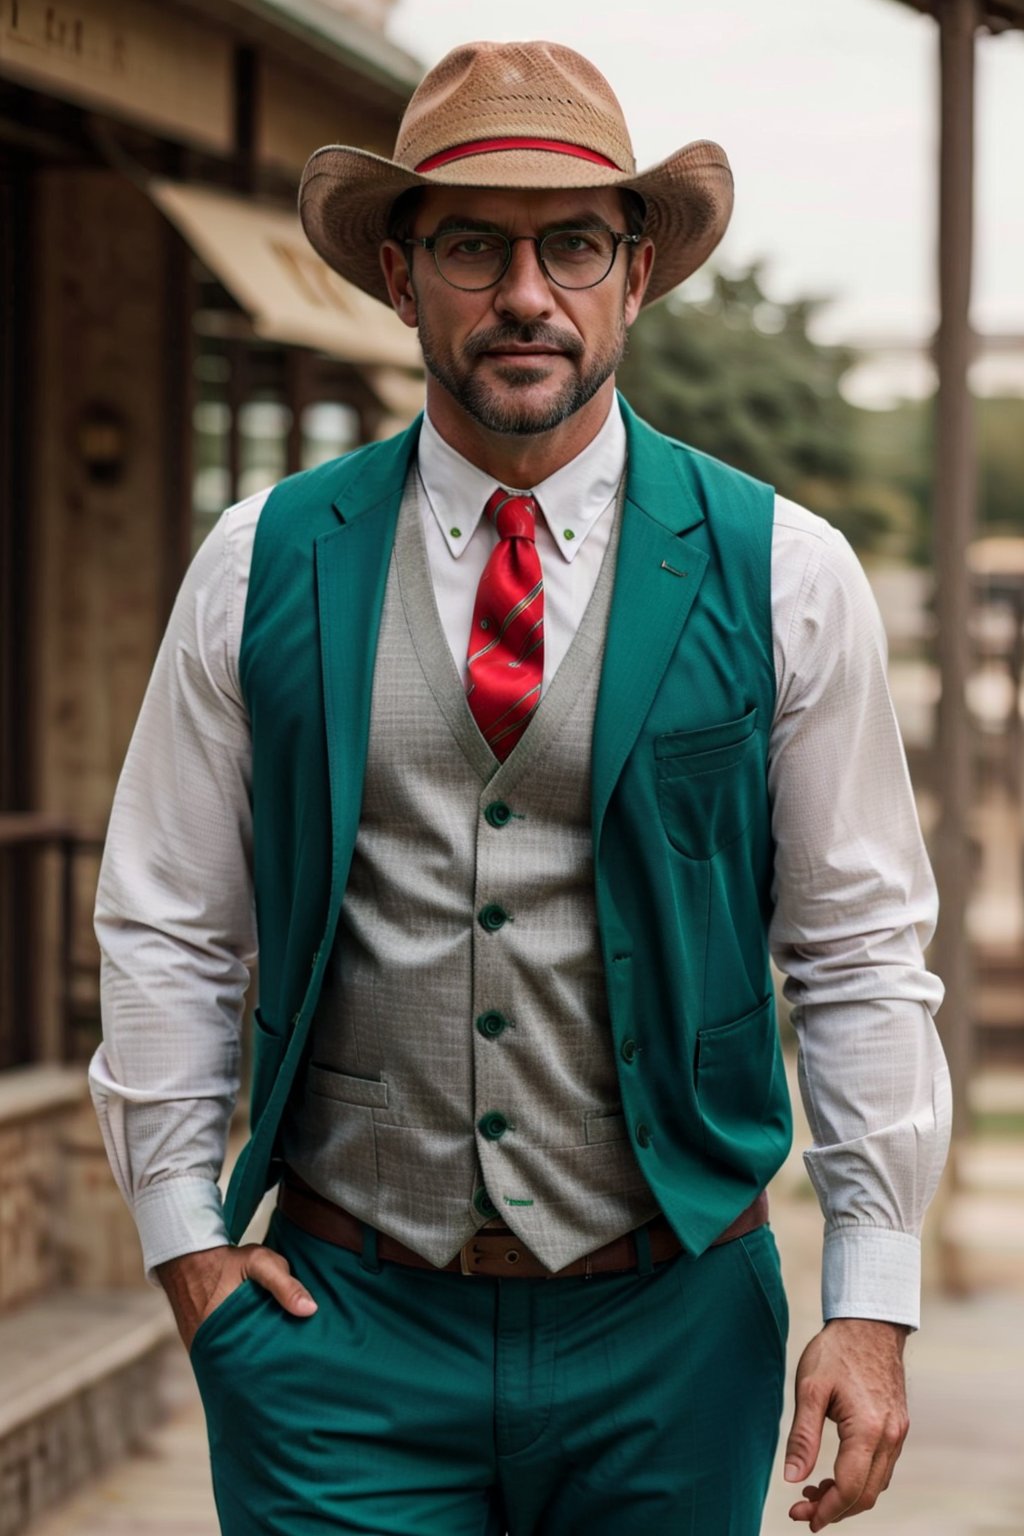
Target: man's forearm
{"x": 880, "y": 1138}
{"x": 166, "y": 1155}
{"x": 175, "y": 917}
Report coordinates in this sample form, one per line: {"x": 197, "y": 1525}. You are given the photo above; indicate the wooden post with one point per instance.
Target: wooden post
{"x": 955, "y": 504}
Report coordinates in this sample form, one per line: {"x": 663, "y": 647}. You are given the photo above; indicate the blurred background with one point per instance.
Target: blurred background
{"x": 169, "y": 343}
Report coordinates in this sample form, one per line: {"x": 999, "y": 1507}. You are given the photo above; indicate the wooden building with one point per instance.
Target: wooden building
{"x": 168, "y": 343}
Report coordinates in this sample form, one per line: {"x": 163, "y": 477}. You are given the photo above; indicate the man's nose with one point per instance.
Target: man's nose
{"x": 524, "y": 290}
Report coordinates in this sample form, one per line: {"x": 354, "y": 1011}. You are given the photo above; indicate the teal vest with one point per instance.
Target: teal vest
{"x": 681, "y": 817}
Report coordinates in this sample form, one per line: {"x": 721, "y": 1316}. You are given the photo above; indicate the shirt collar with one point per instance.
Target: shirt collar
{"x": 571, "y": 500}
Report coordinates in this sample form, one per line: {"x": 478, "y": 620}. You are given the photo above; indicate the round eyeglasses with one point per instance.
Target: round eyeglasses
{"x": 474, "y": 259}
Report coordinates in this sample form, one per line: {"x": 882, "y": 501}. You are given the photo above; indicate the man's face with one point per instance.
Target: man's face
{"x": 524, "y": 355}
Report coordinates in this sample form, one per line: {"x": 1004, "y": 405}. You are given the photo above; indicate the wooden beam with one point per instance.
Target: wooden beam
{"x": 996, "y": 15}
{"x": 955, "y": 506}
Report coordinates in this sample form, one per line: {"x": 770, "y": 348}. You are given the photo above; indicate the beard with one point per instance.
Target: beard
{"x": 499, "y": 410}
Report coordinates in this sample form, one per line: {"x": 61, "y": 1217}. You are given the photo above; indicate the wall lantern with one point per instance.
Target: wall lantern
{"x": 103, "y": 443}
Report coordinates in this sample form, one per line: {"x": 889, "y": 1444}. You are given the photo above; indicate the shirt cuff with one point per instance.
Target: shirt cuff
{"x": 871, "y": 1272}
{"x": 178, "y": 1216}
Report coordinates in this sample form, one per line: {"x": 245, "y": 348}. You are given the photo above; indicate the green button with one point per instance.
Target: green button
{"x": 498, "y": 814}
{"x": 492, "y": 917}
{"x": 493, "y": 1125}
{"x": 629, "y": 1050}
{"x": 643, "y": 1135}
{"x": 492, "y": 1023}
{"x": 484, "y": 1204}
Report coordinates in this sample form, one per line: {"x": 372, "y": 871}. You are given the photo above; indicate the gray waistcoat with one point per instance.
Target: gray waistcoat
{"x": 461, "y": 1060}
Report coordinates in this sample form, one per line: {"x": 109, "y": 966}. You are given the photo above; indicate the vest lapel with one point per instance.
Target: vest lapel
{"x": 351, "y": 574}
{"x": 351, "y": 563}
{"x": 657, "y": 578}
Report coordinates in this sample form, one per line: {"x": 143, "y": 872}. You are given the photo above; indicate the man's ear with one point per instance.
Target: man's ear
{"x": 397, "y": 271}
{"x": 637, "y": 277}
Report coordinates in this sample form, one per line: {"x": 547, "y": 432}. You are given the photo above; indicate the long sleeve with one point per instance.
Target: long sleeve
{"x": 174, "y": 914}
{"x": 855, "y": 906}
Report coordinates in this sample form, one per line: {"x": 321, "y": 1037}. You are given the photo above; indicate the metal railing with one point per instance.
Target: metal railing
{"x": 40, "y": 914}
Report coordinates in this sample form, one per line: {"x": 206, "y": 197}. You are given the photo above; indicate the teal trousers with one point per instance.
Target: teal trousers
{"x": 422, "y": 1403}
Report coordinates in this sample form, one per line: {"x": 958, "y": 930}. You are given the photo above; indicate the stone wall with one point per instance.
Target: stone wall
{"x": 48, "y": 1458}
{"x": 36, "y": 1108}
{"x": 82, "y": 1338}
{"x": 62, "y": 1218}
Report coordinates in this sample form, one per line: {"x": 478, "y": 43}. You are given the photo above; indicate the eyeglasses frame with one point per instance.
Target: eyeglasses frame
{"x": 429, "y": 243}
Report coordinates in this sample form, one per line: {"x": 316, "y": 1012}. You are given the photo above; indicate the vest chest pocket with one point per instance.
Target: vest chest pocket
{"x": 368, "y": 1092}
{"x": 709, "y": 784}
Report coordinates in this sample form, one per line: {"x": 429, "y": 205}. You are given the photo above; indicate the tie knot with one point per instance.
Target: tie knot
{"x": 513, "y": 516}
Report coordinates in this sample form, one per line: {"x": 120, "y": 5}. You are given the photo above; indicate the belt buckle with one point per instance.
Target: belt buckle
{"x": 471, "y": 1250}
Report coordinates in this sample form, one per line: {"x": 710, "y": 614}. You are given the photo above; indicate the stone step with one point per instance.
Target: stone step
{"x": 79, "y": 1387}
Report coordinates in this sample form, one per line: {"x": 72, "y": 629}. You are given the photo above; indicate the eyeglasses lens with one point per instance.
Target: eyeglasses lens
{"x": 572, "y": 258}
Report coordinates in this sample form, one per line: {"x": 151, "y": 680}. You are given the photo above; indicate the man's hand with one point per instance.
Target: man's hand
{"x": 196, "y": 1283}
{"x": 851, "y": 1372}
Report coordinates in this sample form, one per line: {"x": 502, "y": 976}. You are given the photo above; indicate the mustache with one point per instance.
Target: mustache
{"x": 535, "y": 334}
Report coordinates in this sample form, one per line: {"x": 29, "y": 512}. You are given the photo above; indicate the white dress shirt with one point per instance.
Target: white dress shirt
{"x": 854, "y": 897}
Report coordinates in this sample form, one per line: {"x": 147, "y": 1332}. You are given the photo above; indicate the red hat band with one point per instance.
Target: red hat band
{"x": 490, "y": 146}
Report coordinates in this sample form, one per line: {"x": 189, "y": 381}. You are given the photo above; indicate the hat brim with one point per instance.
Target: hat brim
{"x": 346, "y": 195}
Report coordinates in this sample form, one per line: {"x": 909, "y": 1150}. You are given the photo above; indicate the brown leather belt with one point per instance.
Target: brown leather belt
{"x": 494, "y": 1250}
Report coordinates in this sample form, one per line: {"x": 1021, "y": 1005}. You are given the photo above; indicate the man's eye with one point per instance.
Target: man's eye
{"x": 573, "y": 242}
{"x": 465, "y": 246}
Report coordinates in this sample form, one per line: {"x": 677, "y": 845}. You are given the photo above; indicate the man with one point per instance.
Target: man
{"x": 528, "y": 730}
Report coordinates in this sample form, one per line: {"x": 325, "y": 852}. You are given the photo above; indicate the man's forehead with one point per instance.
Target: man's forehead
{"x": 518, "y": 205}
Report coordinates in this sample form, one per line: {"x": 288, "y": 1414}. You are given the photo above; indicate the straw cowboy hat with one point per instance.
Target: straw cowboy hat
{"x": 518, "y": 115}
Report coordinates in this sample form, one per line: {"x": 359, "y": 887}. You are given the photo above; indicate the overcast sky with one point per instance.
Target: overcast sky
{"x": 828, "y": 112}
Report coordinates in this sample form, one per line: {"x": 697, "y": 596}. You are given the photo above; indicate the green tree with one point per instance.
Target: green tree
{"x": 1000, "y": 423}
{"x": 896, "y": 448}
{"x": 739, "y": 376}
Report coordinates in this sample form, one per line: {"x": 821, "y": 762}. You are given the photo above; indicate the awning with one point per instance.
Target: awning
{"x": 264, "y": 260}
{"x": 400, "y": 393}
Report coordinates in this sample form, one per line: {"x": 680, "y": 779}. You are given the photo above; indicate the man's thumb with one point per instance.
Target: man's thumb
{"x": 804, "y": 1441}
{"x": 273, "y": 1272}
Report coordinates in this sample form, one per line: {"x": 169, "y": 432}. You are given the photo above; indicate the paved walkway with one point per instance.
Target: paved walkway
{"x": 962, "y": 1472}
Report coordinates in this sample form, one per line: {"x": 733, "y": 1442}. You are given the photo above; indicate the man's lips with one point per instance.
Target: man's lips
{"x": 524, "y": 347}
{"x": 523, "y": 352}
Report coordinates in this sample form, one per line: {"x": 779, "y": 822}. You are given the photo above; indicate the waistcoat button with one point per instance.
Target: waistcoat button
{"x": 483, "y": 1203}
{"x": 492, "y": 1023}
{"x": 643, "y": 1135}
{"x": 498, "y": 814}
{"x": 629, "y": 1050}
{"x": 492, "y": 917}
{"x": 493, "y": 1125}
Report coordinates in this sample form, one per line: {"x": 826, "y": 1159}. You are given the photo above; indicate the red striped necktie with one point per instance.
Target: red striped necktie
{"x": 506, "y": 642}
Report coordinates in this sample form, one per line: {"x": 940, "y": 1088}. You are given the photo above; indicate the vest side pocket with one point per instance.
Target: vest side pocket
{"x": 743, "y": 1115}
{"x": 368, "y": 1092}
{"x": 710, "y": 782}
